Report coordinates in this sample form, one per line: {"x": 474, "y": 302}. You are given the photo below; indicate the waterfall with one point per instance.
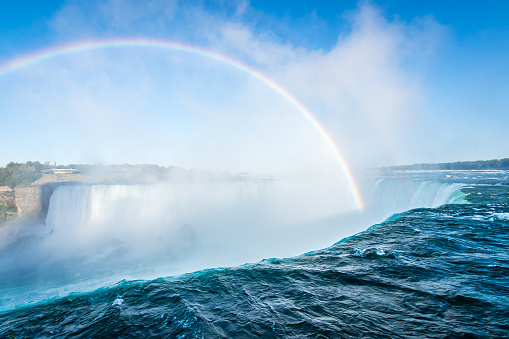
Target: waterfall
{"x": 389, "y": 196}
{"x": 137, "y": 212}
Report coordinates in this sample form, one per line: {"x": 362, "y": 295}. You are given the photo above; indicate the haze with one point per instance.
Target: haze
{"x": 389, "y": 89}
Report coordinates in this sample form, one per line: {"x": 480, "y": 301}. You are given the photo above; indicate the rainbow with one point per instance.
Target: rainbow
{"x": 74, "y": 48}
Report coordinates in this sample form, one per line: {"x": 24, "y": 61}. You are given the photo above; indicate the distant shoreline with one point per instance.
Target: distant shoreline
{"x": 495, "y": 164}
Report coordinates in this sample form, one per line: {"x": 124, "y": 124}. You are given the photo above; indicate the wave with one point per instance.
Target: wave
{"x": 417, "y": 275}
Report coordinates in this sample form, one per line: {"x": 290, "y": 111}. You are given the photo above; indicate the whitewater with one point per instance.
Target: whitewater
{"x": 163, "y": 259}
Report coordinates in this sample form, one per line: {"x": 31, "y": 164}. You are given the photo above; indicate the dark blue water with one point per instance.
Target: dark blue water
{"x": 428, "y": 272}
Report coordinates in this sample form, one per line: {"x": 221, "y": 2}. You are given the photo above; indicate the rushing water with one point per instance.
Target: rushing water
{"x": 440, "y": 271}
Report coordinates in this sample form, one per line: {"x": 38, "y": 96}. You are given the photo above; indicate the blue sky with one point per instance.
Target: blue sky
{"x": 392, "y": 82}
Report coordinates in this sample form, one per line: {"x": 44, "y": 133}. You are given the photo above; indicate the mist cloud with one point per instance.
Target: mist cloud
{"x": 171, "y": 108}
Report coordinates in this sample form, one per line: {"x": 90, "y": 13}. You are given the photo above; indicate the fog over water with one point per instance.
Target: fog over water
{"x": 95, "y": 235}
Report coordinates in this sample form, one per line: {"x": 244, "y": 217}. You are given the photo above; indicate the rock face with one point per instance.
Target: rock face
{"x": 7, "y": 196}
{"x": 34, "y": 200}
{"x": 28, "y": 199}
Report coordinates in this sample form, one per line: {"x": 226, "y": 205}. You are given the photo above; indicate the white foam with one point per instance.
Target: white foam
{"x": 501, "y": 216}
{"x": 117, "y": 302}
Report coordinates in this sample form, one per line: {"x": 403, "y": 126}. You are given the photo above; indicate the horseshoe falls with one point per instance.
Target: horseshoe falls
{"x": 426, "y": 258}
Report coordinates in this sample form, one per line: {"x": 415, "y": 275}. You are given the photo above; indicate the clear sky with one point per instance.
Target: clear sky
{"x": 392, "y": 82}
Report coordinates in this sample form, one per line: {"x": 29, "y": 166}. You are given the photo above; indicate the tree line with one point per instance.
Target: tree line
{"x": 495, "y": 164}
{"x": 19, "y": 174}
{"x": 15, "y": 174}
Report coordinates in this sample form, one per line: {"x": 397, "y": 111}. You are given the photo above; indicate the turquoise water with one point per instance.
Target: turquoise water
{"x": 426, "y": 272}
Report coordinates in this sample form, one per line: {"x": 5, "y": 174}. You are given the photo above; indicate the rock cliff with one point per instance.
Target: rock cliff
{"x": 7, "y": 196}
{"x": 28, "y": 199}
{"x": 34, "y": 200}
